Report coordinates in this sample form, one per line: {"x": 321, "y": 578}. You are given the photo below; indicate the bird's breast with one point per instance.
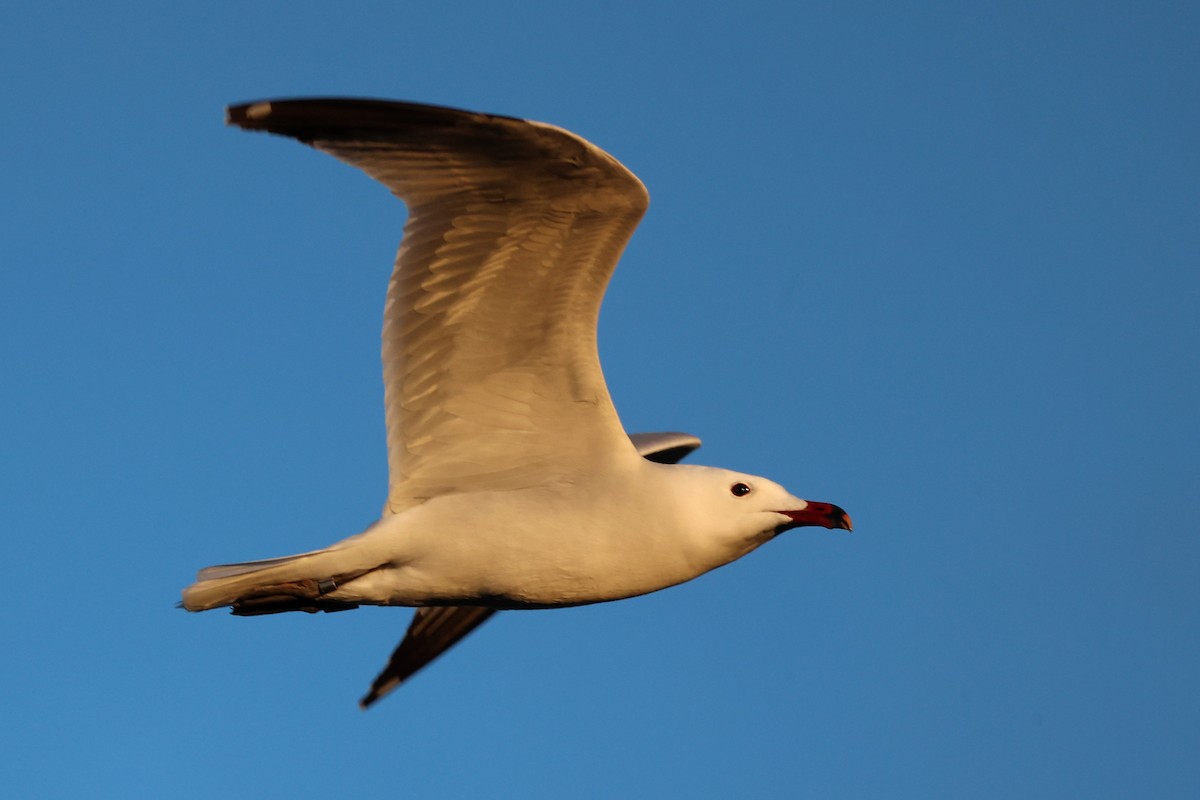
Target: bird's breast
{"x": 533, "y": 549}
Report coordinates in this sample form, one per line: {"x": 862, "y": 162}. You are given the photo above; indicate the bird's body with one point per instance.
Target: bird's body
{"x": 568, "y": 554}
{"x": 513, "y": 484}
{"x": 613, "y": 535}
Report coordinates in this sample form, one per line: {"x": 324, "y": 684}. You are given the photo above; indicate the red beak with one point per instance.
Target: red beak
{"x": 825, "y": 515}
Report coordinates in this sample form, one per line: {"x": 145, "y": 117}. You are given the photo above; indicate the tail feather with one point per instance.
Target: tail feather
{"x": 218, "y": 571}
{"x": 260, "y": 587}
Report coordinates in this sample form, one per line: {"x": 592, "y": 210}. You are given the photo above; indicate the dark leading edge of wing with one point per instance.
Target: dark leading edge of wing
{"x": 434, "y": 630}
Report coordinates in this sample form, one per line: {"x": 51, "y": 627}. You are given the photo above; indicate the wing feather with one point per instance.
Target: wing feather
{"x": 491, "y": 374}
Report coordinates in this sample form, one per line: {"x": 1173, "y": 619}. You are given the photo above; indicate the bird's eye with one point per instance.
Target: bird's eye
{"x": 740, "y": 489}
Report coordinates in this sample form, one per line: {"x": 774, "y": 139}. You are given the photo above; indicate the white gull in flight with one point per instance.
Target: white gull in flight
{"x": 512, "y": 483}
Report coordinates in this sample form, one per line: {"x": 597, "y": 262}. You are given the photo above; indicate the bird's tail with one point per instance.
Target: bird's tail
{"x": 288, "y": 583}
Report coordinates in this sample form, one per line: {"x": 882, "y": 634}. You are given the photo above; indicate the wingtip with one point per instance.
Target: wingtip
{"x": 243, "y": 115}
{"x": 377, "y": 692}
{"x": 308, "y": 117}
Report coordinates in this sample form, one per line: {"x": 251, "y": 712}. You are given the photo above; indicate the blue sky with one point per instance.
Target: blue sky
{"x": 937, "y": 265}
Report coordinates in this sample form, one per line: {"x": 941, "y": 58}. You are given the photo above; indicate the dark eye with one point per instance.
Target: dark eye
{"x": 740, "y": 489}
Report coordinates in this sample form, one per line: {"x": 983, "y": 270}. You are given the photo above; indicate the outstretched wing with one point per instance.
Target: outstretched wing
{"x": 435, "y": 629}
{"x": 491, "y": 372}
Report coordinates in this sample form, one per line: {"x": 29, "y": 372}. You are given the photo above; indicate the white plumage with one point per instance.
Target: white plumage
{"x": 512, "y": 482}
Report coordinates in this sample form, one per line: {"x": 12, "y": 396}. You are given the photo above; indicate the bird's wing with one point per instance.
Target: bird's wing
{"x": 491, "y": 372}
{"x": 664, "y": 448}
{"x": 435, "y": 629}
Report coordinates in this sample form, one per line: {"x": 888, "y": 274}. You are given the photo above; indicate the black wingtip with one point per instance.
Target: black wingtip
{"x": 369, "y": 699}
{"x": 310, "y": 117}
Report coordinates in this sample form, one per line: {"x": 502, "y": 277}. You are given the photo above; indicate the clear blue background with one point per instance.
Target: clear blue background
{"x": 937, "y": 264}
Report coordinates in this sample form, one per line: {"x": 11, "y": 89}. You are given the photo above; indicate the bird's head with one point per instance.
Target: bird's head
{"x": 739, "y": 511}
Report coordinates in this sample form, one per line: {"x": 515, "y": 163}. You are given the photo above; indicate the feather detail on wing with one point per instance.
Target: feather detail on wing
{"x": 492, "y": 378}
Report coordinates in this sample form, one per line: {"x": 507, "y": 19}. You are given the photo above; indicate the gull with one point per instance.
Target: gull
{"x": 512, "y": 484}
